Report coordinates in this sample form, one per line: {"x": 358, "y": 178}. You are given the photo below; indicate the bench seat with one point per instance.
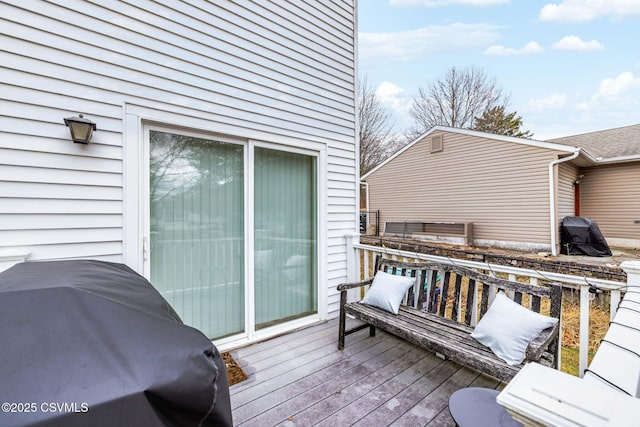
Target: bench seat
{"x": 450, "y": 336}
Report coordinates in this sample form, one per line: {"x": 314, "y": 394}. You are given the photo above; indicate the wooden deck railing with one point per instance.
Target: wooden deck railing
{"x": 360, "y": 259}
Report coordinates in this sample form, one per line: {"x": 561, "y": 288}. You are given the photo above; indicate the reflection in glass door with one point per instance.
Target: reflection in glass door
{"x": 197, "y": 230}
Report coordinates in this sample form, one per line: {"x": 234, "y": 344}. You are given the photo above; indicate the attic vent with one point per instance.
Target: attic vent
{"x": 436, "y": 143}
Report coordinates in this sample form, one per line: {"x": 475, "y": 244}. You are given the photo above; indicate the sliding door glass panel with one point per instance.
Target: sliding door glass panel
{"x": 197, "y": 230}
{"x": 285, "y": 212}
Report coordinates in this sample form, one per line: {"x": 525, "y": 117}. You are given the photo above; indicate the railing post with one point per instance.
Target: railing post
{"x": 632, "y": 268}
{"x": 585, "y": 307}
{"x": 353, "y": 261}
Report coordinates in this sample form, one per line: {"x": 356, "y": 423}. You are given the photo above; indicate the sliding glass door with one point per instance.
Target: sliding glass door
{"x": 214, "y": 222}
{"x": 285, "y": 230}
{"x": 197, "y": 230}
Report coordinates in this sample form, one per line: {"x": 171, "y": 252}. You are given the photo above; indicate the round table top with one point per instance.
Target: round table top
{"x": 477, "y": 407}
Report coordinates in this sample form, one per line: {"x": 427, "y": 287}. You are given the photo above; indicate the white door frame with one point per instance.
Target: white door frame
{"x": 137, "y": 122}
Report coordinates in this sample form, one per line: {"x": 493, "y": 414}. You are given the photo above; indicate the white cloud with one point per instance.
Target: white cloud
{"x": 588, "y": 10}
{"x": 575, "y": 43}
{"x": 529, "y": 48}
{"x": 413, "y": 44}
{"x": 615, "y": 103}
{"x": 440, "y": 3}
{"x": 613, "y": 95}
{"x": 552, "y": 102}
{"x": 583, "y": 106}
{"x": 616, "y": 100}
{"x": 621, "y": 88}
{"x": 394, "y": 97}
{"x": 388, "y": 91}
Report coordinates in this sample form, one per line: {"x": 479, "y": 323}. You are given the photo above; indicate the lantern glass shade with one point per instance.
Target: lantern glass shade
{"x": 81, "y": 129}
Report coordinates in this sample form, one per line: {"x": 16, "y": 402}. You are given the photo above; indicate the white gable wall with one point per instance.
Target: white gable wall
{"x": 276, "y": 72}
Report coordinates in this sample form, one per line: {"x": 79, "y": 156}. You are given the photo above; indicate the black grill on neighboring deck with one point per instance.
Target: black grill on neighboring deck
{"x": 582, "y": 236}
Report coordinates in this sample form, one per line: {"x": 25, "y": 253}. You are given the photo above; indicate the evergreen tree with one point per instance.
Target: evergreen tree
{"x": 495, "y": 120}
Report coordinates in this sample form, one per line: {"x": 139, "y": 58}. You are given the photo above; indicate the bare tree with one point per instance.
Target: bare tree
{"x": 376, "y": 128}
{"x": 455, "y": 100}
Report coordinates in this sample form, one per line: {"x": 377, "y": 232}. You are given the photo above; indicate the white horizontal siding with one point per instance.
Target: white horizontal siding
{"x": 59, "y": 206}
{"x": 60, "y": 236}
{"x": 129, "y": 73}
{"x": 106, "y": 251}
{"x": 259, "y": 109}
{"x": 59, "y": 221}
{"x": 278, "y": 71}
{"x": 17, "y": 173}
{"x": 54, "y": 191}
{"x": 22, "y": 142}
{"x": 34, "y": 159}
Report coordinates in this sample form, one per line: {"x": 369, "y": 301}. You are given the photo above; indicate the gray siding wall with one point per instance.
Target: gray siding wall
{"x": 274, "y": 71}
{"x": 567, "y": 174}
{"x": 502, "y": 187}
{"x": 610, "y": 195}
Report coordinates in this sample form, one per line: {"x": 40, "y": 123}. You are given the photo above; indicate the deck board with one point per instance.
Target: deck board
{"x": 413, "y": 362}
{"x": 302, "y": 379}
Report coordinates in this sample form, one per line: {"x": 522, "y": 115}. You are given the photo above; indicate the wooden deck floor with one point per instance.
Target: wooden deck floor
{"x": 301, "y": 379}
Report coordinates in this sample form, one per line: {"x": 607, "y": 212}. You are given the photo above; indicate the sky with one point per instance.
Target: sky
{"x": 568, "y": 66}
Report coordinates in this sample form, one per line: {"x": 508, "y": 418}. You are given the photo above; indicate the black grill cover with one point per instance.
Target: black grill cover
{"x": 90, "y": 343}
{"x": 581, "y": 236}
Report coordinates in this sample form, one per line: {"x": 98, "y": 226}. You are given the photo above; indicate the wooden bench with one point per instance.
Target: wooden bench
{"x": 435, "y": 230}
{"x": 441, "y": 316}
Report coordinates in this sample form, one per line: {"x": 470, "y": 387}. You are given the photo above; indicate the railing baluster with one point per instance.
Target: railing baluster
{"x": 585, "y": 304}
{"x": 614, "y": 302}
{"x": 534, "y": 281}
{"x": 365, "y": 265}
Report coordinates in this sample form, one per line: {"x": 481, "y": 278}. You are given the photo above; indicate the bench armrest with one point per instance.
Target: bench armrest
{"x": 541, "y": 343}
{"x": 343, "y": 288}
{"x": 352, "y": 285}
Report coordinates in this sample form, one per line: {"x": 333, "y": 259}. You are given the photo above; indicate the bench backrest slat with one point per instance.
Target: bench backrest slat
{"x": 411, "y": 294}
{"x": 433, "y": 296}
{"x": 535, "y": 304}
{"x": 457, "y": 297}
{"x": 517, "y": 297}
{"x": 484, "y": 304}
{"x": 444, "y": 293}
{"x": 438, "y": 297}
{"x": 471, "y": 291}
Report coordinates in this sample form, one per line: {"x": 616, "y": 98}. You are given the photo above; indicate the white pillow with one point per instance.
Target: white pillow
{"x": 387, "y": 291}
{"x": 507, "y": 328}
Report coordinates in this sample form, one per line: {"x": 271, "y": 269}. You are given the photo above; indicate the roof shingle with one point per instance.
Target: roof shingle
{"x": 618, "y": 142}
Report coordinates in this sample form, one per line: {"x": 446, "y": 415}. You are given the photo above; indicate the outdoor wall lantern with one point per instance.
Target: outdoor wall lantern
{"x": 81, "y": 128}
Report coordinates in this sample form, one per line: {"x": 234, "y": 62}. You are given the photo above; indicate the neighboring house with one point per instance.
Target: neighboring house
{"x": 608, "y": 190}
{"x": 224, "y": 164}
{"x": 514, "y": 191}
